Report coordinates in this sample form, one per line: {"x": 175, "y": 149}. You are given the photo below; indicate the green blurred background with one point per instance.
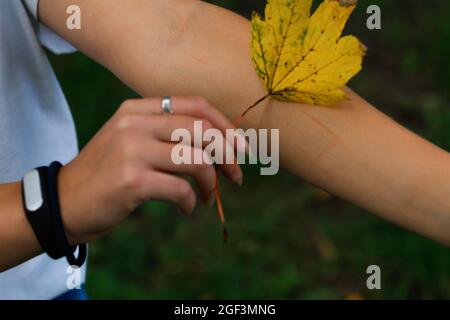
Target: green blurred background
{"x": 287, "y": 239}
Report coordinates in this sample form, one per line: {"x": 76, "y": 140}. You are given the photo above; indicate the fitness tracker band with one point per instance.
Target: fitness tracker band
{"x": 68, "y": 250}
{"x": 37, "y": 210}
{"x": 42, "y": 209}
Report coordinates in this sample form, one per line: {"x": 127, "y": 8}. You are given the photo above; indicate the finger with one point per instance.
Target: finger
{"x": 192, "y": 106}
{"x": 199, "y": 107}
{"x": 204, "y": 173}
{"x": 148, "y": 106}
{"x": 164, "y": 128}
{"x": 221, "y": 151}
{"x": 166, "y": 187}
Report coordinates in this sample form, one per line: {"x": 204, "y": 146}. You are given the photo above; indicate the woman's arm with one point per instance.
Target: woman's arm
{"x": 126, "y": 163}
{"x": 176, "y": 47}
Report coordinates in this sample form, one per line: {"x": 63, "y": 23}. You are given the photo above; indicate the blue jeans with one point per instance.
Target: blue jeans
{"x": 75, "y": 294}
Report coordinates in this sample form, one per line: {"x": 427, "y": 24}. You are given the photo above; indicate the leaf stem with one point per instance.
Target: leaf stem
{"x": 239, "y": 119}
{"x": 216, "y": 187}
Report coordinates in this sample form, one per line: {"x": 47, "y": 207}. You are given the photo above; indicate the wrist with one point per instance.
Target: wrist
{"x": 43, "y": 211}
{"x": 71, "y": 208}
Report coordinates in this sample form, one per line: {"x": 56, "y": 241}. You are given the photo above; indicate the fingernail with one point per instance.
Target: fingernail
{"x": 241, "y": 181}
{"x": 239, "y": 178}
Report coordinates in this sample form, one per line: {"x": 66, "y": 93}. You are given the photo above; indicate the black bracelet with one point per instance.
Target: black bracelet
{"x": 38, "y": 211}
{"x": 63, "y": 243}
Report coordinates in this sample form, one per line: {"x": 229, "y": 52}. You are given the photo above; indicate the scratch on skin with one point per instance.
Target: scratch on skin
{"x": 336, "y": 139}
{"x": 324, "y": 151}
{"x": 197, "y": 59}
{"x": 325, "y": 127}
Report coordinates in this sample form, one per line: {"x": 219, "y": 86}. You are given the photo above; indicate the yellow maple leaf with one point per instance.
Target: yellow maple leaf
{"x": 302, "y": 57}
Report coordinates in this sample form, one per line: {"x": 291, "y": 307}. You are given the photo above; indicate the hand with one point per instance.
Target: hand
{"x": 129, "y": 162}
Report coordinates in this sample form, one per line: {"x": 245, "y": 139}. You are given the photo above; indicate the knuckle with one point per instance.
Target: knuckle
{"x": 125, "y": 122}
{"x": 127, "y": 104}
{"x": 183, "y": 189}
{"x": 129, "y": 179}
{"x": 126, "y": 147}
{"x": 207, "y": 125}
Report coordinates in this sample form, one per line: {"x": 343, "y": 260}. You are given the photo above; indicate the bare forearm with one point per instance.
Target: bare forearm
{"x": 174, "y": 47}
{"x": 17, "y": 240}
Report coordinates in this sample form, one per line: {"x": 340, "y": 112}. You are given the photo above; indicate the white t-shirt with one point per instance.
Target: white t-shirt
{"x": 36, "y": 128}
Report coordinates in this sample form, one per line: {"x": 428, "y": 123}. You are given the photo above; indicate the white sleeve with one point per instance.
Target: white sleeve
{"x": 48, "y": 38}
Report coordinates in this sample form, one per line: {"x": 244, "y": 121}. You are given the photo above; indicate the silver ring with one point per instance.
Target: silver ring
{"x": 166, "y": 105}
